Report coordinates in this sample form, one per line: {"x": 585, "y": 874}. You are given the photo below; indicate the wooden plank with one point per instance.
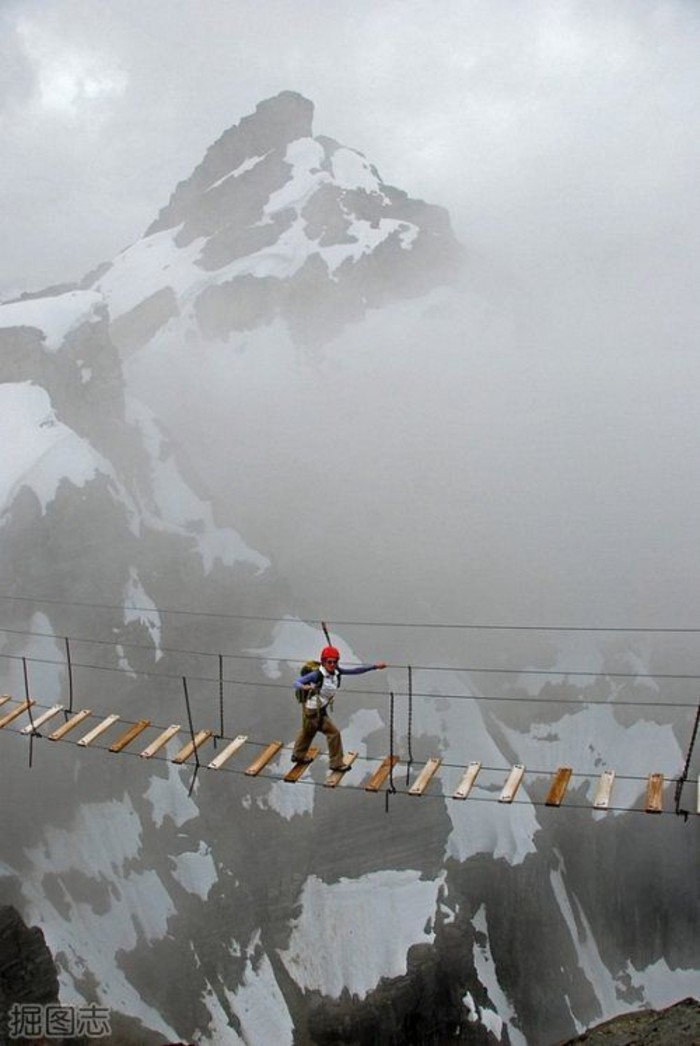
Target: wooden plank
{"x": 187, "y": 750}
{"x": 162, "y": 739}
{"x": 604, "y": 790}
{"x": 468, "y": 778}
{"x": 654, "y": 800}
{"x": 231, "y": 748}
{"x": 264, "y": 758}
{"x": 511, "y": 786}
{"x": 70, "y": 724}
{"x": 335, "y": 776}
{"x": 128, "y": 736}
{"x": 298, "y": 769}
{"x": 10, "y": 717}
{"x": 4, "y": 699}
{"x": 379, "y": 776}
{"x": 560, "y": 782}
{"x": 91, "y": 735}
{"x": 425, "y": 776}
{"x": 41, "y": 719}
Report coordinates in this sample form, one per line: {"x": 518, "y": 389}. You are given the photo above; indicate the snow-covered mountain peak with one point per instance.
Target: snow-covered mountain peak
{"x": 277, "y": 223}
{"x": 275, "y": 122}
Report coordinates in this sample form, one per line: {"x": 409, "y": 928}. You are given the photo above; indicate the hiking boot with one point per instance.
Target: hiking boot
{"x": 304, "y": 760}
{"x": 342, "y": 769}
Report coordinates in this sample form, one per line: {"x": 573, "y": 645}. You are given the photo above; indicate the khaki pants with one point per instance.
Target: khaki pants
{"x": 313, "y": 721}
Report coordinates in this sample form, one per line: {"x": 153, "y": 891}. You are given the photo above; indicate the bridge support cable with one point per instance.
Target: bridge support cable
{"x": 221, "y": 698}
{"x": 69, "y": 665}
{"x": 686, "y": 768}
{"x": 410, "y": 724}
{"x": 192, "y": 735}
{"x": 391, "y": 788}
{"x": 29, "y": 702}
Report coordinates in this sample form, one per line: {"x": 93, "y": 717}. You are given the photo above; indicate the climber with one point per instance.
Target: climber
{"x": 320, "y": 686}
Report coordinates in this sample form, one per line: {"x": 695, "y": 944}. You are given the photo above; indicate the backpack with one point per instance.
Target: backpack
{"x": 309, "y": 666}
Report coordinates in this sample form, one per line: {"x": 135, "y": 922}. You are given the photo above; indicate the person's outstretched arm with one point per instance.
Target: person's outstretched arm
{"x": 361, "y": 669}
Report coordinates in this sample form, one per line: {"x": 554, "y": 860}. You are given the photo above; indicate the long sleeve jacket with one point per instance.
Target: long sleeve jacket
{"x": 326, "y": 685}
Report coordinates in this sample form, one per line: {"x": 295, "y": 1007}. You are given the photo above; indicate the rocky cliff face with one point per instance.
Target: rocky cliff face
{"x": 678, "y": 1024}
{"x": 148, "y": 412}
{"x": 27, "y": 971}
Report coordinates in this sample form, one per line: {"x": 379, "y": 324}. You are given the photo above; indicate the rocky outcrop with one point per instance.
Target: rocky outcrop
{"x": 425, "y": 1007}
{"x": 275, "y": 122}
{"x": 677, "y": 1025}
{"x": 27, "y": 970}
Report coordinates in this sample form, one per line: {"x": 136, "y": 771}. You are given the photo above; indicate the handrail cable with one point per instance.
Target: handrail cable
{"x": 227, "y": 615}
{"x": 150, "y": 647}
{"x": 260, "y": 658}
{"x": 517, "y": 698}
{"x": 409, "y": 726}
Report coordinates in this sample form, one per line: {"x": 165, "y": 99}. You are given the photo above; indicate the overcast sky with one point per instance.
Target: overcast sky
{"x": 540, "y": 125}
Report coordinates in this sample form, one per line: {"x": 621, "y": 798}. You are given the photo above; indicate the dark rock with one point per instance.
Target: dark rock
{"x": 27, "y": 970}
{"x": 678, "y": 1025}
{"x": 137, "y": 326}
{"x": 275, "y": 122}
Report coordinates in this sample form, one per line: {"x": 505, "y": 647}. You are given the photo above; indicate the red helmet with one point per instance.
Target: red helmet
{"x": 330, "y": 652}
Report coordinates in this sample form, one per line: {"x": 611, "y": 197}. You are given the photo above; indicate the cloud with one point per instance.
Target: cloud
{"x": 66, "y": 78}
{"x": 16, "y": 73}
{"x": 544, "y": 128}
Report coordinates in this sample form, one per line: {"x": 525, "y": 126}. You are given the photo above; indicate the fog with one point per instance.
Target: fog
{"x": 448, "y": 461}
{"x": 523, "y": 450}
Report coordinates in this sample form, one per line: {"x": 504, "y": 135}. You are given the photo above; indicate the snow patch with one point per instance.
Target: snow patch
{"x": 175, "y": 505}
{"x": 260, "y": 1007}
{"x": 148, "y": 266}
{"x": 340, "y": 941}
{"x": 39, "y": 450}
{"x": 583, "y": 940}
{"x": 141, "y": 608}
{"x": 306, "y": 157}
{"x": 168, "y": 796}
{"x": 662, "y": 986}
{"x": 45, "y": 655}
{"x": 352, "y": 171}
{"x": 289, "y": 802}
{"x": 56, "y": 316}
{"x": 247, "y": 165}
{"x": 368, "y": 236}
{"x": 102, "y": 842}
{"x": 503, "y": 1014}
{"x": 196, "y": 871}
{"x": 219, "y": 1028}
{"x": 293, "y": 641}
